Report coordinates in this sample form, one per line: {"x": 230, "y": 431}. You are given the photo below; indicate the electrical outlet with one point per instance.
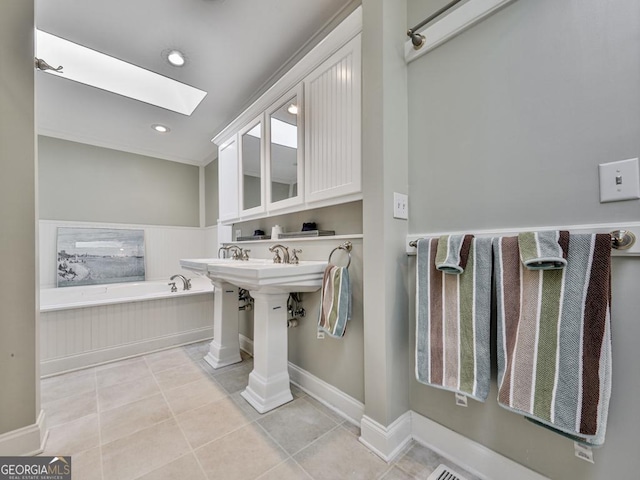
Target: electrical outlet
{"x": 619, "y": 180}
{"x": 400, "y": 206}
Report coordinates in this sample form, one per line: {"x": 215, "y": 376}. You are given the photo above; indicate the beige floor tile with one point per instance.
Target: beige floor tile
{"x": 194, "y": 395}
{"x": 246, "y": 363}
{"x": 326, "y": 410}
{"x": 178, "y": 376}
{"x": 117, "y": 374}
{"x": 338, "y": 454}
{"x": 211, "y": 421}
{"x": 87, "y": 465}
{"x": 420, "y": 462}
{"x": 197, "y": 350}
{"x": 250, "y": 412}
{"x": 167, "y": 359}
{"x": 351, "y": 427}
{"x": 288, "y": 470}
{"x": 67, "y": 385}
{"x": 71, "y": 408}
{"x": 117, "y": 395}
{"x": 242, "y": 455}
{"x": 184, "y": 468}
{"x": 73, "y": 437}
{"x": 127, "y": 419}
{"x": 296, "y": 425}
{"x": 396, "y": 474}
{"x": 143, "y": 451}
{"x": 237, "y": 379}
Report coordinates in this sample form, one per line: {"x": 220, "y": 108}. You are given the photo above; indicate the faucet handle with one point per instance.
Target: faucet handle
{"x": 188, "y": 284}
{"x": 294, "y": 256}
{"x": 277, "y": 258}
{"x": 173, "y": 286}
{"x": 245, "y": 254}
{"x": 237, "y": 254}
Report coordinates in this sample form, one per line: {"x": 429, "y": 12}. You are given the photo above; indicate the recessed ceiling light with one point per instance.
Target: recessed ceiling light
{"x": 160, "y": 128}
{"x": 84, "y": 65}
{"x": 293, "y": 109}
{"x": 176, "y": 58}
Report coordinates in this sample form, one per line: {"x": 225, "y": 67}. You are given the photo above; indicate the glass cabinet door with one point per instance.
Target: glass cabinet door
{"x": 251, "y": 168}
{"x": 284, "y": 147}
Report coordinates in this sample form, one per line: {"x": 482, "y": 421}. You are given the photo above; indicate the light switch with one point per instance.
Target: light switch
{"x": 400, "y": 206}
{"x": 619, "y": 180}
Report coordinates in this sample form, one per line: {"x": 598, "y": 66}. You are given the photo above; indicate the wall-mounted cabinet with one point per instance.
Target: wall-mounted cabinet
{"x": 332, "y": 126}
{"x": 298, "y": 146}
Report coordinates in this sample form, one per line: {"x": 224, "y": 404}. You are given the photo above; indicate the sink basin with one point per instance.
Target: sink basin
{"x": 268, "y": 277}
{"x": 199, "y": 265}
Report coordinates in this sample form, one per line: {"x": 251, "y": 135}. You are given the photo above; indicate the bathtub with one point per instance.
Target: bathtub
{"x": 91, "y": 325}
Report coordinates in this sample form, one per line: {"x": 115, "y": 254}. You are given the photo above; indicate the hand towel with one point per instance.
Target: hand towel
{"x": 543, "y": 250}
{"x": 453, "y": 313}
{"x": 554, "y": 339}
{"x": 335, "y": 301}
{"x": 453, "y": 252}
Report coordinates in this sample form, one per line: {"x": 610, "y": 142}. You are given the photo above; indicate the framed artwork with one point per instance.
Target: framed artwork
{"x": 94, "y": 256}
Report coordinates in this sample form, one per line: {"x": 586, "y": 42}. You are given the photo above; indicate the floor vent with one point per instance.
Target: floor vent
{"x": 445, "y": 473}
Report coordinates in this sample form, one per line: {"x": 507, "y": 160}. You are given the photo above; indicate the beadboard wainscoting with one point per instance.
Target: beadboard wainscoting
{"x": 164, "y": 247}
{"x": 79, "y": 337}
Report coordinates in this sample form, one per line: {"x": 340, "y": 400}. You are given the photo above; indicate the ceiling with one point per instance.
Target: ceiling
{"x": 233, "y": 48}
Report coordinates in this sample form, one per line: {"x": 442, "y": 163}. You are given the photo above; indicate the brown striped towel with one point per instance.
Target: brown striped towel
{"x": 545, "y": 250}
{"x": 453, "y": 318}
{"x": 335, "y": 305}
{"x": 554, "y": 340}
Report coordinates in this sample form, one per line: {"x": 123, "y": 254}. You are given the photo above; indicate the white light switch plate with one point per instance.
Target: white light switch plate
{"x": 619, "y": 180}
{"x": 400, "y": 206}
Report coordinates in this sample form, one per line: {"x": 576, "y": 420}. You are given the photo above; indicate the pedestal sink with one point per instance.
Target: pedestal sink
{"x": 269, "y": 284}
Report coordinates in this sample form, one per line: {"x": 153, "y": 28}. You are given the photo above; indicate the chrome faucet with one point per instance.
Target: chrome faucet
{"x": 237, "y": 252}
{"x": 186, "y": 283}
{"x": 277, "y": 249}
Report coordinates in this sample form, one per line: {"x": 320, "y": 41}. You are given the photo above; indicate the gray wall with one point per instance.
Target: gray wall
{"x": 19, "y": 395}
{"x": 321, "y": 358}
{"x": 508, "y": 123}
{"x": 211, "y": 193}
{"x": 85, "y": 183}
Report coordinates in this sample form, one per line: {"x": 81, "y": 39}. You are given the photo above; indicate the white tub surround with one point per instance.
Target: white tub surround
{"x": 84, "y": 326}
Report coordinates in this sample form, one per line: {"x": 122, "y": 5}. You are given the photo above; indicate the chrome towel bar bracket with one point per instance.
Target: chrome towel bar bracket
{"x": 346, "y": 246}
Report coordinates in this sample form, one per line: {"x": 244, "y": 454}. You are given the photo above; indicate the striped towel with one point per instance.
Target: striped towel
{"x": 453, "y": 320}
{"x": 554, "y": 339}
{"x": 335, "y": 305}
{"x": 453, "y": 252}
{"x": 544, "y": 250}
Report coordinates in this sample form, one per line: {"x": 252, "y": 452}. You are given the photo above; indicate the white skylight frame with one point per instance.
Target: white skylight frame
{"x": 84, "y": 65}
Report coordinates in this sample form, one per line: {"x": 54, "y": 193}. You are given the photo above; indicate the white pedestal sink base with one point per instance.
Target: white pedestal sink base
{"x": 269, "y": 381}
{"x": 225, "y": 348}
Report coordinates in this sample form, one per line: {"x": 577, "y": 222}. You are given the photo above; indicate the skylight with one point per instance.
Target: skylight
{"x": 81, "y": 64}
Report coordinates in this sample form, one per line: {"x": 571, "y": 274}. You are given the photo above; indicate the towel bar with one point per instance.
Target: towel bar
{"x": 620, "y": 240}
{"x": 346, "y": 246}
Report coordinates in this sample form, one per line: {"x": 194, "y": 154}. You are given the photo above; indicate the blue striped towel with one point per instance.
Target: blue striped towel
{"x": 335, "y": 305}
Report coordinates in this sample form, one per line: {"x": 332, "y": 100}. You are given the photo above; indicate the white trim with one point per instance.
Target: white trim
{"x": 338, "y": 401}
{"x": 27, "y": 441}
{"x": 466, "y": 453}
{"x": 632, "y": 226}
{"x": 386, "y": 442}
{"x": 70, "y": 363}
{"x": 79, "y": 223}
{"x": 246, "y": 344}
{"x": 454, "y": 23}
{"x": 201, "y": 197}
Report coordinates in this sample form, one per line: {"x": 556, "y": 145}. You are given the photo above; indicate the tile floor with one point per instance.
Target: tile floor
{"x": 169, "y": 415}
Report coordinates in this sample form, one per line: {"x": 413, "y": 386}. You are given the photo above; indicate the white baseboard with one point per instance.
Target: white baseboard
{"x": 246, "y": 344}
{"x": 338, "y": 401}
{"x": 386, "y": 442}
{"x": 470, "y": 455}
{"x": 26, "y": 441}
{"x": 57, "y": 366}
